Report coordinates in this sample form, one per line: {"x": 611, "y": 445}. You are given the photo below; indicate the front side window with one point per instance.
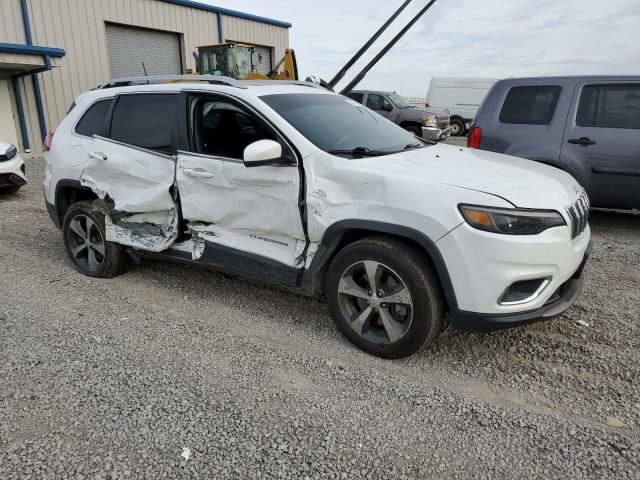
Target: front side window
{"x": 609, "y": 106}
{"x": 146, "y": 120}
{"x": 378, "y": 102}
{"x": 223, "y": 129}
{"x": 333, "y": 123}
{"x": 93, "y": 122}
{"x": 532, "y": 105}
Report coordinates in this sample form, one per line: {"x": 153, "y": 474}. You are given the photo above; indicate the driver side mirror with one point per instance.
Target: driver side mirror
{"x": 263, "y": 152}
{"x": 387, "y": 107}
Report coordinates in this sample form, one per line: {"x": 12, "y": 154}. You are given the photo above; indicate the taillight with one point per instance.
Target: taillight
{"x": 46, "y": 144}
{"x": 474, "y": 138}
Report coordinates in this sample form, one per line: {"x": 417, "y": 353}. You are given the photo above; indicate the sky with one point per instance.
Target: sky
{"x": 459, "y": 38}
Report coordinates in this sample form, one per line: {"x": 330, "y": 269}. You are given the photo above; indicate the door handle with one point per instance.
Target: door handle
{"x": 197, "y": 173}
{"x": 584, "y": 141}
{"x": 98, "y": 156}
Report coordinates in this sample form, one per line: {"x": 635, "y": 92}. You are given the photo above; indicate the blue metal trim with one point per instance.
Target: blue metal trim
{"x": 231, "y": 13}
{"x": 25, "y": 22}
{"x": 220, "y": 30}
{"x": 23, "y": 124}
{"x": 39, "y": 106}
{"x": 31, "y": 49}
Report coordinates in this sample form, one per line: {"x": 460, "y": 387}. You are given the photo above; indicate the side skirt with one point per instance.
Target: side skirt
{"x": 235, "y": 262}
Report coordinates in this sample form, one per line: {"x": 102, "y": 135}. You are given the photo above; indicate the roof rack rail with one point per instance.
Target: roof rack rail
{"x": 302, "y": 83}
{"x": 155, "y": 79}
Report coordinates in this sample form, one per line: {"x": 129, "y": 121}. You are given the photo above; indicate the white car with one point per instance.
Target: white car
{"x": 12, "y": 169}
{"x": 291, "y": 184}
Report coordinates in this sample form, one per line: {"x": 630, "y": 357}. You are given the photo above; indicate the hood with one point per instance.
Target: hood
{"x": 523, "y": 183}
{"x": 422, "y": 112}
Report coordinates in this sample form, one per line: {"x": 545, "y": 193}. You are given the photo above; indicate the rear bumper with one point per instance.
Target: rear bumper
{"x": 435, "y": 134}
{"x": 557, "y": 304}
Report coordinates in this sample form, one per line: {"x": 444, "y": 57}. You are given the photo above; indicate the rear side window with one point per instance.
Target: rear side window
{"x": 358, "y": 97}
{"x": 532, "y": 105}
{"x": 146, "y": 120}
{"x": 94, "y": 119}
{"x": 609, "y": 106}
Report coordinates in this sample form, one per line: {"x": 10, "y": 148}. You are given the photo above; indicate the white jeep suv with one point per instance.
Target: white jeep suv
{"x": 288, "y": 183}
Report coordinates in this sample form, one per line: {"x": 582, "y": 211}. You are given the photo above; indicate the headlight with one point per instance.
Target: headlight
{"x": 430, "y": 121}
{"x": 511, "y": 221}
{"x": 9, "y": 153}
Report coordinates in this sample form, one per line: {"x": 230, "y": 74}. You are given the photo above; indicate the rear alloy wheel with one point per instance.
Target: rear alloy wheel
{"x": 457, "y": 127}
{"x": 86, "y": 244}
{"x": 384, "y": 297}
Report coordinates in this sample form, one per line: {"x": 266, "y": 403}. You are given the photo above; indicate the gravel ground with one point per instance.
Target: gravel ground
{"x": 114, "y": 378}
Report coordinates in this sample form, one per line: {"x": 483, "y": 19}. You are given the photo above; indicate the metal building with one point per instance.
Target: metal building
{"x": 52, "y": 50}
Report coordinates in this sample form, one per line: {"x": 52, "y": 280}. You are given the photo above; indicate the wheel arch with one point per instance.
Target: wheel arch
{"x": 67, "y": 193}
{"x": 410, "y": 123}
{"x": 345, "y": 232}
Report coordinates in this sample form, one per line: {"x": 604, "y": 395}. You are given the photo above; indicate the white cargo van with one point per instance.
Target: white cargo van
{"x": 458, "y": 97}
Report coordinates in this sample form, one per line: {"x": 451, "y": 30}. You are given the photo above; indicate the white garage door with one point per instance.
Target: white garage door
{"x": 129, "y": 47}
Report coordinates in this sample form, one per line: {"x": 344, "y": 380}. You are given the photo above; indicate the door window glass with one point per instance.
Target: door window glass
{"x": 378, "y": 102}
{"x": 94, "y": 119}
{"x": 222, "y": 128}
{"x": 609, "y": 106}
{"x": 532, "y": 105}
{"x": 146, "y": 120}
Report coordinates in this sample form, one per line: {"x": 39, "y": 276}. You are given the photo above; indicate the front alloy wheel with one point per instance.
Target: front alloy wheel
{"x": 376, "y": 302}
{"x": 384, "y": 296}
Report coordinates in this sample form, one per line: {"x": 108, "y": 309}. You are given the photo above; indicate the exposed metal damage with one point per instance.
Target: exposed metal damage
{"x": 139, "y": 232}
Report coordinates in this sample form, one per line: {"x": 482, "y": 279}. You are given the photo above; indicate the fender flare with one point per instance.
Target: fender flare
{"x": 333, "y": 235}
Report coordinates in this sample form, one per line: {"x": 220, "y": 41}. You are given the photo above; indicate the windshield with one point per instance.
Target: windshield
{"x": 337, "y": 125}
{"x": 399, "y": 101}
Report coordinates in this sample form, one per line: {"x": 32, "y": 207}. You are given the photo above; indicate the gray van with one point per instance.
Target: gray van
{"x": 588, "y": 126}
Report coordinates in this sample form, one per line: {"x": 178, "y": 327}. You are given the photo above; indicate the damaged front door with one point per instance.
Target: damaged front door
{"x": 133, "y": 171}
{"x": 246, "y": 219}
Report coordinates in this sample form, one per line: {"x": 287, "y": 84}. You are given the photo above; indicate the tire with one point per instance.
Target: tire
{"x": 417, "y": 131}
{"x": 457, "y": 127}
{"x": 402, "y": 325}
{"x": 108, "y": 257}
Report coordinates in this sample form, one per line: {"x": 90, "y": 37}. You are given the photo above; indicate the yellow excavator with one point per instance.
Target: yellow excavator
{"x": 241, "y": 61}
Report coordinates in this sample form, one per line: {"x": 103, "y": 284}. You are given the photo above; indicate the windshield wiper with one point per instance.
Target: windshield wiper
{"x": 411, "y": 146}
{"x": 362, "y": 151}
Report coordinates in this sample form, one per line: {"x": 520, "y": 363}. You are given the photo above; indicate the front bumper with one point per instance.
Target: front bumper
{"x": 435, "y": 133}
{"x": 557, "y": 304}
{"x": 12, "y": 173}
{"x": 483, "y": 265}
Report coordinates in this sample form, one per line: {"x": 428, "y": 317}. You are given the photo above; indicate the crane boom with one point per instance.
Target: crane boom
{"x": 388, "y": 47}
{"x": 332, "y": 83}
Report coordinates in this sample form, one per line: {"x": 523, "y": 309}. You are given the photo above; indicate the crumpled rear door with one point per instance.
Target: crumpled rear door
{"x": 137, "y": 187}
